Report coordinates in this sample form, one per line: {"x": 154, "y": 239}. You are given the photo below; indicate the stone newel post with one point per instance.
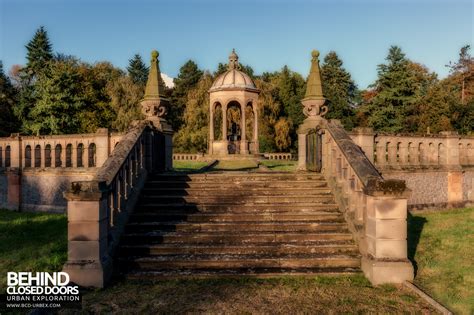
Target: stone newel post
{"x": 313, "y": 108}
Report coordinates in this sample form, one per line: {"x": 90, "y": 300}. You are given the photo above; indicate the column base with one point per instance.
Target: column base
{"x": 89, "y": 274}
{"x": 379, "y": 271}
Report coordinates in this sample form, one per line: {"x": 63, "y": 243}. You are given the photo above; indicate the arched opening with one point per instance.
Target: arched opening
{"x": 249, "y": 122}
{"x": 38, "y": 156}
{"x": 441, "y": 154}
{"x": 233, "y": 121}
{"x": 80, "y": 152}
{"x": 8, "y": 156}
{"x": 47, "y": 155}
{"x": 69, "y": 155}
{"x": 421, "y": 153}
{"x": 217, "y": 121}
{"x": 91, "y": 155}
{"x": 57, "y": 155}
{"x": 28, "y": 156}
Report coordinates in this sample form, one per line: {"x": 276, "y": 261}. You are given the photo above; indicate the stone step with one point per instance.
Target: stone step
{"x": 230, "y": 238}
{"x": 238, "y": 176}
{"x": 233, "y": 217}
{"x": 234, "y": 184}
{"x": 238, "y": 273}
{"x": 240, "y": 261}
{"x": 299, "y": 208}
{"x": 281, "y": 226}
{"x": 237, "y": 191}
{"x": 260, "y": 249}
{"x": 237, "y": 200}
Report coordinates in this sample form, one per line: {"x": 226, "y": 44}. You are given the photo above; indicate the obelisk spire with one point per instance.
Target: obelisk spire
{"x": 155, "y": 87}
{"x": 314, "y": 88}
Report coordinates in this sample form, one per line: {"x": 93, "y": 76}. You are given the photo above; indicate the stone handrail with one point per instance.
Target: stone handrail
{"x": 375, "y": 208}
{"x": 98, "y": 209}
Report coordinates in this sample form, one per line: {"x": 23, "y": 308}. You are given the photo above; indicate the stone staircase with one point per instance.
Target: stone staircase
{"x": 236, "y": 223}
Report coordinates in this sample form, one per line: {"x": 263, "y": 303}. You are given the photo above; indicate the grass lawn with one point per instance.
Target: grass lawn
{"x": 31, "y": 242}
{"x": 235, "y": 165}
{"x": 324, "y": 294}
{"x": 280, "y": 165}
{"x": 441, "y": 244}
{"x": 188, "y": 166}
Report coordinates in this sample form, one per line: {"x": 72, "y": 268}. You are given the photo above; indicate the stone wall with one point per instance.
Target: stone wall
{"x": 430, "y": 188}
{"x": 42, "y": 190}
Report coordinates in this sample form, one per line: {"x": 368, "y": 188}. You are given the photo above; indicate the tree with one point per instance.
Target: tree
{"x": 39, "y": 52}
{"x": 192, "y": 137}
{"x": 188, "y": 77}
{"x": 282, "y": 134}
{"x": 59, "y": 96}
{"x": 137, "y": 70}
{"x": 463, "y": 70}
{"x": 395, "y": 94}
{"x": 8, "y": 97}
{"x": 339, "y": 89}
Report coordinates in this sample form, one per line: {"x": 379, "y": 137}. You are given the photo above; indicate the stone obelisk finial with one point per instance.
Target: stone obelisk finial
{"x": 154, "y": 103}
{"x": 233, "y": 61}
{"x": 314, "y": 99}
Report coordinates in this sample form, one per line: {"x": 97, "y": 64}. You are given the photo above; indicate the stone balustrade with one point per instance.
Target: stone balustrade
{"x": 98, "y": 209}
{"x": 57, "y": 151}
{"x": 447, "y": 149}
{"x": 187, "y": 156}
{"x": 375, "y": 208}
{"x": 278, "y": 156}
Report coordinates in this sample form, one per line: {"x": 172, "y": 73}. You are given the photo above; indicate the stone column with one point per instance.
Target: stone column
{"x": 74, "y": 154}
{"x": 224, "y": 122}
{"x": 380, "y": 149}
{"x": 364, "y": 138}
{"x": 452, "y": 148}
{"x": 211, "y": 129}
{"x": 255, "y": 129}
{"x": 301, "y": 151}
{"x": 16, "y": 155}
{"x": 102, "y": 145}
{"x": 63, "y": 153}
{"x": 43, "y": 154}
{"x": 385, "y": 255}
{"x": 88, "y": 262}
{"x": 243, "y": 135}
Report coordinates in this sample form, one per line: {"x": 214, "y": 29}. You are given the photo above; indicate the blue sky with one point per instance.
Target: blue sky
{"x": 266, "y": 34}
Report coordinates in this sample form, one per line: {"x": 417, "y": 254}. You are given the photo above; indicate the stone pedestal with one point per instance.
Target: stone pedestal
{"x": 310, "y": 123}
{"x": 88, "y": 264}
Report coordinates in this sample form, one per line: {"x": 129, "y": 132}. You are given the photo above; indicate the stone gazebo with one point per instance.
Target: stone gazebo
{"x": 233, "y": 100}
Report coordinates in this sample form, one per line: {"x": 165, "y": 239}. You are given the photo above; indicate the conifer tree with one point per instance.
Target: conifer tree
{"x": 339, "y": 89}
{"x": 137, "y": 70}
{"x": 8, "y": 97}
{"x": 39, "y": 52}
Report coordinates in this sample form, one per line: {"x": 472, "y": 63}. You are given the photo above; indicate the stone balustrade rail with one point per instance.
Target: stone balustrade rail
{"x": 58, "y": 151}
{"x": 375, "y": 208}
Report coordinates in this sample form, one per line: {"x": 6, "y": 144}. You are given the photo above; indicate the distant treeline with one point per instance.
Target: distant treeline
{"x": 55, "y": 93}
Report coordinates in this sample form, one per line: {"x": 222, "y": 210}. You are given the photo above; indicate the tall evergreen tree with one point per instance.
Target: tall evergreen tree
{"x": 395, "y": 94}
{"x": 188, "y": 77}
{"x": 339, "y": 89}
{"x": 39, "y": 52}
{"x": 137, "y": 70}
{"x": 8, "y": 97}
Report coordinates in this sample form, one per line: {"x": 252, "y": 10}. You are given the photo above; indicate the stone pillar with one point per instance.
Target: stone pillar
{"x": 16, "y": 155}
{"x": 243, "y": 135}
{"x": 255, "y": 130}
{"x": 13, "y": 188}
{"x": 380, "y": 151}
{"x": 74, "y": 154}
{"x": 301, "y": 152}
{"x": 224, "y": 122}
{"x": 403, "y": 154}
{"x": 102, "y": 145}
{"x": 211, "y": 129}
{"x": 455, "y": 189}
{"x": 168, "y": 150}
{"x": 63, "y": 153}
{"x": 385, "y": 256}
{"x": 43, "y": 154}
{"x": 88, "y": 262}
{"x": 364, "y": 138}
{"x": 452, "y": 148}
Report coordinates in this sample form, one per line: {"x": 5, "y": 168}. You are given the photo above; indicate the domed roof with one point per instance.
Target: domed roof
{"x": 233, "y": 78}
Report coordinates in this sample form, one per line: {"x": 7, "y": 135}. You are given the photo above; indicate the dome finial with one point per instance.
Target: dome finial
{"x": 233, "y": 60}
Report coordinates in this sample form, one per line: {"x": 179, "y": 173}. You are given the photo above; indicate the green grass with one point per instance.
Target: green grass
{"x": 351, "y": 294}
{"x": 235, "y": 165}
{"x": 188, "y": 166}
{"x": 441, "y": 244}
{"x": 280, "y": 165}
{"x": 31, "y": 242}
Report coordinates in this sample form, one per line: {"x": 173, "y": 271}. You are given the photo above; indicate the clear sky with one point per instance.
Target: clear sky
{"x": 266, "y": 34}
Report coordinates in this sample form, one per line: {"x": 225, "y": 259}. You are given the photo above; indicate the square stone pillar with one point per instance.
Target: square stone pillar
{"x": 102, "y": 146}
{"x": 88, "y": 262}
{"x": 308, "y": 124}
{"x": 385, "y": 260}
{"x": 452, "y": 148}
{"x": 364, "y": 138}
{"x": 13, "y": 188}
